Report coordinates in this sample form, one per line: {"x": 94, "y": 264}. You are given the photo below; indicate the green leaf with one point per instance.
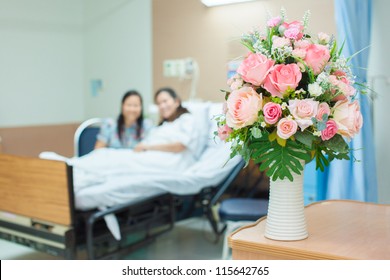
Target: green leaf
{"x": 256, "y": 132}
{"x": 248, "y": 44}
{"x": 305, "y": 137}
{"x": 337, "y": 144}
{"x": 279, "y": 162}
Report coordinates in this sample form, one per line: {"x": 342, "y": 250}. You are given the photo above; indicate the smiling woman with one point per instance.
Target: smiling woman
{"x": 171, "y": 111}
{"x": 130, "y": 127}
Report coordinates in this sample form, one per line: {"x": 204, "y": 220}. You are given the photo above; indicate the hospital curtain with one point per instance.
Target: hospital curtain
{"x": 355, "y": 179}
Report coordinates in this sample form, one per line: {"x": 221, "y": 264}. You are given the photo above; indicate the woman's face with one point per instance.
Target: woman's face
{"x": 131, "y": 109}
{"x": 166, "y": 104}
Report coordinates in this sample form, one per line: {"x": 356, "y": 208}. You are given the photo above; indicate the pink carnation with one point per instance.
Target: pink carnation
{"x": 293, "y": 30}
{"x": 301, "y": 53}
{"x": 224, "y": 132}
{"x": 329, "y": 131}
{"x": 317, "y": 56}
{"x": 243, "y": 106}
{"x": 302, "y": 44}
{"x": 254, "y": 68}
{"x": 279, "y": 42}
{"x": 286, "y": 128}
{"x": 273, "y": 22}
{"x": 272, "y": 112}
{"x": 282, "y": 78}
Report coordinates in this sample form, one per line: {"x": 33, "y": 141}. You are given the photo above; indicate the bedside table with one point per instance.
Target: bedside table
{"x": 338, "y": 229}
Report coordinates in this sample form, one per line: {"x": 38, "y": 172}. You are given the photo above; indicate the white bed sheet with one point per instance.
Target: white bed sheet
{"x": 211, "y": 169}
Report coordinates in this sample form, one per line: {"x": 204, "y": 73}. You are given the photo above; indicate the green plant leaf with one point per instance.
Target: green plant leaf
{"x": 337, "y": 144}
{"x": 256, "y": 132}
{"x": 305, "y": 137}
{"x": 277, "y": 161}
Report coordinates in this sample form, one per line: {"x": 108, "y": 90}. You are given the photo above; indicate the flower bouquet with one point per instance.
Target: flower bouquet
{"x": 292, "y": 100}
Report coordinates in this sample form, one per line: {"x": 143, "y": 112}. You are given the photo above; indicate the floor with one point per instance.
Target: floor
{"x": 189, "y": 239}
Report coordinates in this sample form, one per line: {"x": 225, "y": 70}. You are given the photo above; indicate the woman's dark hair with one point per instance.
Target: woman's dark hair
{"x": 121, "y": 118}
{"x": 179, "y": 111}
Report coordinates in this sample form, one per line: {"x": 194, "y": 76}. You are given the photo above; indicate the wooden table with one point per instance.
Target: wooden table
{"x": 338, "y": 229}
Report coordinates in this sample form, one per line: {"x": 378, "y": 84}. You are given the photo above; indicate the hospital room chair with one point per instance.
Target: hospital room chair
{"x": 243, "y": 205}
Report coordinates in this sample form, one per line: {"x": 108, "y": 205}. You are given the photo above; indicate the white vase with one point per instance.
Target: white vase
{"x": 286, "y": 217}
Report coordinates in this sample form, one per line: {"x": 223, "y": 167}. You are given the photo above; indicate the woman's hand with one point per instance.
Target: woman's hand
{"x": 140, "y": 147}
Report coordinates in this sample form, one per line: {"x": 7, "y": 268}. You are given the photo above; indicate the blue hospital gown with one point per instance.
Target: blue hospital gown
{"x": 109, "y": 134}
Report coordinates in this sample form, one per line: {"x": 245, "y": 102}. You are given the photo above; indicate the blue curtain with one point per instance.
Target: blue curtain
{"x": 355, "y": 179}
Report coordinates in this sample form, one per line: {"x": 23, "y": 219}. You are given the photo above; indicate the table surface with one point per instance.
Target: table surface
{"x": 338, "y": 229}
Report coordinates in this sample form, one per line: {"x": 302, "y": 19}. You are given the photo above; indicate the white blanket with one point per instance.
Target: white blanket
{"x": 126, "y": 179}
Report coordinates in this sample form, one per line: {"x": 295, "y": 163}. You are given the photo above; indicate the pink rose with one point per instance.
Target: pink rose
{"x": 293, "y": 30}
{"x": 303, "y": 111}
{"x": 272, "y": 112}
{"x": 243, "y": 106}
{"x": 329, "y": 131}
{"x": 282, "y": 78}
{"x": 323, "y": 109}
{"x": 286, "y": 128}
{"x": 255, "y": 68}
{"x": 273, "y": 22}
{"x": 316, "y": 57}
{"x": 224, "y": 132}
{"x": 348, "y": 117}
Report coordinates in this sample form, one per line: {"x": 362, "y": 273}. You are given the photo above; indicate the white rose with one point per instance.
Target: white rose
{"x": 315, "y": 89}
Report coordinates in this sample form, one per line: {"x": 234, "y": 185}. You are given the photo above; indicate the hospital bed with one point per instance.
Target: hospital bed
{"x": 39, "y": 207}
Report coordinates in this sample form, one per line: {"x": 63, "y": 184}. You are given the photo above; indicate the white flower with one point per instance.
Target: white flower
{"x": 284, "y": 106}
{"x": 289, "y": 117}
{"x": 323, "y": 77}
{"x": 317, "y": 133}
{"x": 300, "y": 91}
{"x": 315, "y": 89}
{"x": 323, "y": 38}
{"x": 263, "y": 124}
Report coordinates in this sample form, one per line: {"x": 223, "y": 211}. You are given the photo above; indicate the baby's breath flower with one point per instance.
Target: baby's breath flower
{"x": 317, "y": 133}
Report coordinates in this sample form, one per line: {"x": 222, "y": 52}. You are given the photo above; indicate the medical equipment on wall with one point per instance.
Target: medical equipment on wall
{"x": 184, "y": 69}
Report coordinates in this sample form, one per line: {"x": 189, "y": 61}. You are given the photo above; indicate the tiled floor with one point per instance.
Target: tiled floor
{"x": 189, "y": 239}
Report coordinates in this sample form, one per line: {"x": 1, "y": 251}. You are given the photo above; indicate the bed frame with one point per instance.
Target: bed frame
{"x": 37, "y": 210}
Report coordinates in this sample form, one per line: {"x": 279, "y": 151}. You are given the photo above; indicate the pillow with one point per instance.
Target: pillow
{"x": 200, "y": 110}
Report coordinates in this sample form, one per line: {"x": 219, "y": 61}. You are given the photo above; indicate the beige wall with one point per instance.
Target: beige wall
{"x": 32, "y": 140}
{"x": 186, "y": 28}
